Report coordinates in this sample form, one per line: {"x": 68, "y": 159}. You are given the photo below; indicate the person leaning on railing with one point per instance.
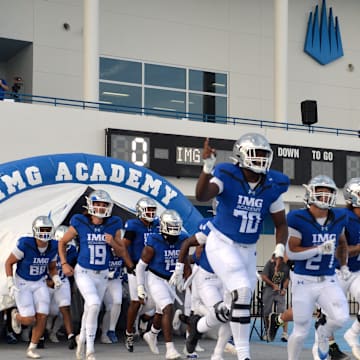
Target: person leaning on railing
{"x": 3, "y": 87}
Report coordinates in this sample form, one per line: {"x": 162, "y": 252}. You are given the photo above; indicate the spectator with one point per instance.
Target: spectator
{"x": 18, "y": 83}
{"x": 276, "y": 278}
{"x": 3, "y": 87}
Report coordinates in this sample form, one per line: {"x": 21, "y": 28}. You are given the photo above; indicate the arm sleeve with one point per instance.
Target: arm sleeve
{"x": 218, "y": 182}
{"x": 201, "y": 237}
{"x": 277, "y": 205}
{"x": 140, "y": 272}
{"x": 301, "y": 255}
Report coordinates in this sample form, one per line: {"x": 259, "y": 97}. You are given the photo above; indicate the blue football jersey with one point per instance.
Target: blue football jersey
{"x": 71, "y": 257}
{"x": 352, "y": 232}
{"x": 116, "y": 266}
{"x": 241, "y": 210}
{"x": 34, "y": 265}
{"x": 314, "y": 234}
{"x": 165, "y": 254}
{"x": 203, "y": 261}
{"x": 137, "y": 232}
{"x": 94, "y": 252}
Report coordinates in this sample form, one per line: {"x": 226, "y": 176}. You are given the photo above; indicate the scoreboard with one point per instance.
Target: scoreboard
{"x": 181, "y": 156}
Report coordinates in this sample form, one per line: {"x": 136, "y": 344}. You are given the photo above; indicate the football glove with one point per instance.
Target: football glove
{"x": 345, "y": 273}
{"x": 327, "y": 247}
{"x": 12, "y": 289}
{"x": 57, "y": 282}
{"x": 177, "y": 277}
{"x": 142, "y": 295}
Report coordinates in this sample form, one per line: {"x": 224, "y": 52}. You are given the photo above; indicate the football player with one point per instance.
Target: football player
{"x": 159, "y": 258}
{"x": 246, "y": 191}
{"x": 96, "y": 230}
{"x": 35, "y": 257}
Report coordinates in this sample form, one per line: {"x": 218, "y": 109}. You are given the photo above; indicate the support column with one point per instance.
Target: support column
{"x": 91, "y": 51}
{"x": 280, "y": 60}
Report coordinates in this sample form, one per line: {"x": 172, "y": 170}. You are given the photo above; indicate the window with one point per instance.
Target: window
{"x": 120, "y": 70}
{"x": 133, "y": 86}
{"x": 211, "y": 107}
{"x": 207, "y": 82}
{"x": 165, "y": 76}
{"x": 165, "y": 101}
{"x": 114, "y": 94}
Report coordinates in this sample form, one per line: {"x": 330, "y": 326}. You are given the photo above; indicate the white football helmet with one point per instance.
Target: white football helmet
{"x": 43, "y": 228}
{"x": 60, "y": 231}
{"x": 146, "y": 209}
{"x": 99, "y": 211}
{"x": 352, "y": 192}
{"x": 322, "y": 200}
{"x": 170, "y": 223}
{"x": 59, "y": 234}
{"x": 245, "y": 153}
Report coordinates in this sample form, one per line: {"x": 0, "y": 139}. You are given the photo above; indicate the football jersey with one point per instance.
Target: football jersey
{"x": 241, "y": 210}
{"x": 352, "y": 232}
{"x": 34, "y": 265}
{"x": 314, "y": 234}
{"x": 71, "y": 256}
{"x": 165, "y": 254}
{"x": 203, "y": 261}
{"x": 116, "y": 266}
{"x": 94, "y": 252}
{"x": 138, "y": 238}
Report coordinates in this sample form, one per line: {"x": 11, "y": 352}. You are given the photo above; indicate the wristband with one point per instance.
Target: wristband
{"x": 63, "y": 263}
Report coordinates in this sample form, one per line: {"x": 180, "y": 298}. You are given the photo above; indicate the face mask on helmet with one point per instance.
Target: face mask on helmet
{"x": 252, "y": 151}
{"x": 43, "y": 228}
{"x": 321, "y": 191}
{"x": 146, "y": 209}
{"x": 99, "y": 204}
{"x": 352, "y": 192}
{"x": 170, "y": 225}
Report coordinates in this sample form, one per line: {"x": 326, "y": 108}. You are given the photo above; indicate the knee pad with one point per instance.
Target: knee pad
{"x": 240, "y": 306}
{"x": 222, "y": 313}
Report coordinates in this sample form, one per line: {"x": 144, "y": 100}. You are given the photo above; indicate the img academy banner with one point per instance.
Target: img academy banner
{"x": 53, "y": 184}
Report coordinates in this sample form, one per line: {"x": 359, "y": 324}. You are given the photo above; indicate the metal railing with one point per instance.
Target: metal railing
{"x": 225, "y": 120}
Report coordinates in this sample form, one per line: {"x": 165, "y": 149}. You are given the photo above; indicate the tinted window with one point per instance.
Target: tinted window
{"x": 205, "y": 81}
{"x": 209, "y": 105}
{"x": 117, "y": 94}
{"x": 165, "y": 100}
{"x": 120, "y": 70}
{"x": 165, "y": 76}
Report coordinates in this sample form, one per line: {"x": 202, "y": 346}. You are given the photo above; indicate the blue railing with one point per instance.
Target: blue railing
{"x": 228, "y": 120}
